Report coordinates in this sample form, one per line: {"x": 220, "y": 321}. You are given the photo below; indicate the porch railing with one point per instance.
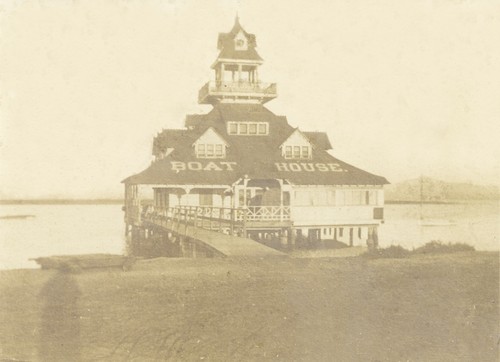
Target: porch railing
{"x": 216, "y": 218}
{"x": 268, "y": 213}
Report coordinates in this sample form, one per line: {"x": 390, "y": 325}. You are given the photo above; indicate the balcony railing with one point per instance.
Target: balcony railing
{"x": 219, "y": 89}
{"x": 268, "y": 213}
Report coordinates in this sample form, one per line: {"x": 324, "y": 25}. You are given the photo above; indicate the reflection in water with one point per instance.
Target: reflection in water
{"x": 60, "y": 329}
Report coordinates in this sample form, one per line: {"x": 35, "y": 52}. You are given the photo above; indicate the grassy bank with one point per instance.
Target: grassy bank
{"x": 426, "y": 308}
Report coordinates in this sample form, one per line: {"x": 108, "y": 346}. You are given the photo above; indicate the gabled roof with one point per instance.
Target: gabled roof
{"x": 255, "y": 156}
{"x": 225, "y": 38}
{"x": 298, "y": 132}
{"x": 211, "y": 129}
{"x": 225, "y": 43}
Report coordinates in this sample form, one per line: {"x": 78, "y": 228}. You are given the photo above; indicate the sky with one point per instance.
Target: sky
{"x": 403, "y": 88}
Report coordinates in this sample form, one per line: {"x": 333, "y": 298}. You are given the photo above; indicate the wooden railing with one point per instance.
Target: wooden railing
{"x": 227, "y": 220}
{"x": 242, "y": 86}
{"x": 268, "y": 213}
{"x": 215, "y": 87}
{"x": 222, "y": 219}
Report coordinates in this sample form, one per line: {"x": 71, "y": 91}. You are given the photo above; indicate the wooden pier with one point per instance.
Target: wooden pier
{"x": 211, "y": 230}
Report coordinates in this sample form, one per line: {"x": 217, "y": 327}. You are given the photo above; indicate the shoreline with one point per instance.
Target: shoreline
{"x": 307, "y": 254}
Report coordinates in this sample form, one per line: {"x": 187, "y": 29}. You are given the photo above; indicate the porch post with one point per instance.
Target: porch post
{"x": 245, "y": 223}
{"x": 281, "y": 199}
{"x": 138, "y": 202}
{"x": 245, "y": 182}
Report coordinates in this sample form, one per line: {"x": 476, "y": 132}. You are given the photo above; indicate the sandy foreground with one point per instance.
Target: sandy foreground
{"x": 425, "y": 308}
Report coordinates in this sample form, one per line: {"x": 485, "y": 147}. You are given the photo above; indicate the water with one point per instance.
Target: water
{"x": 412, "y": 225}
{"x": 58, "y": 229}
{"x": 79, "y": 229}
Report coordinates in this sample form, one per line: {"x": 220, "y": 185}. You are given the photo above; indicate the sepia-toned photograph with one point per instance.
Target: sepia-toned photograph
{"x": 249, "y": 180}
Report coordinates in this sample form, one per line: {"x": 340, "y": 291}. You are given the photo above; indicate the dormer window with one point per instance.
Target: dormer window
{"x": 248, "y": 128}
{"x": 210, "y": 150}
{"x": 210, "y": 145}
{"x": 240, "y": 41}
{"x": 296, "y": 146}
{"x": 297, "y": 152}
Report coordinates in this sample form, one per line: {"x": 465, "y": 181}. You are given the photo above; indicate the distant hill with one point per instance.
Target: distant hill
{"x": 426, "y": 189}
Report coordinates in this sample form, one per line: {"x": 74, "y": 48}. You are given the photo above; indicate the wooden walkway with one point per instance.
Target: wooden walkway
{"x": 228, "y": 245}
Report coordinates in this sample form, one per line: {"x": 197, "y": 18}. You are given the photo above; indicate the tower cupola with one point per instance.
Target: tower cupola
{"x": 236, "y": 71}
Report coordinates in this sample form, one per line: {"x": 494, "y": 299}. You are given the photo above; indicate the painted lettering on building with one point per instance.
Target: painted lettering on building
{"x": 308, "y": 167}
{"x": 199, "y": 166}
{"x": 280, "y": 166}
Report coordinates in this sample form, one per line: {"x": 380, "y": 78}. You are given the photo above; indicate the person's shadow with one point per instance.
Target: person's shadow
{"x": 60, "y": 322}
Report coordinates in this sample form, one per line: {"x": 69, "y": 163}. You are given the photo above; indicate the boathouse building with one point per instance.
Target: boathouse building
{"x": 244, "y": 164}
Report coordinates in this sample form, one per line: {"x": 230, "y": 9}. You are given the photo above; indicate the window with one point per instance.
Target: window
{"x": 240, "y": 43}
{"x": 210, "y": 150}
{"x": 356, "y": 197}
{"x": 252, "y": 128}
{"x": 340, "y": 197}
{"x": 233, "y": 128}
{"x": 218, "y": 151}
{"x": 331, "y": 197}
{"x": 248, "y": 128}
{"x": 262, "y": 128}
{"x": 298, "y": 152}
{"x": 243, "y": 128}
{"x": 348, "y": 197}
{"x": 201, "y": 150}
{"x": 305, "y": 152}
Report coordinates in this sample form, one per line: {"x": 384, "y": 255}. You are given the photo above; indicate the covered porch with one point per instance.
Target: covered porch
{"x": 266, "y": 202}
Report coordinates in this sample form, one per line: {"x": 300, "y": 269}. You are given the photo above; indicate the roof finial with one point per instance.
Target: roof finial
{"x": 237, "y": 19}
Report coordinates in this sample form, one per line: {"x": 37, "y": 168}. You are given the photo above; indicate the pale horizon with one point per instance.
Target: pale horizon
{"x": 402, "y": 88}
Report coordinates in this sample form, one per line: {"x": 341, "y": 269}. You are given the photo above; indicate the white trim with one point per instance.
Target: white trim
{"x": 302, "y": 134}
{"x": 184, "y": 186}
{"x": 247, "y": 123}
{"x": 217, "y": 133}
